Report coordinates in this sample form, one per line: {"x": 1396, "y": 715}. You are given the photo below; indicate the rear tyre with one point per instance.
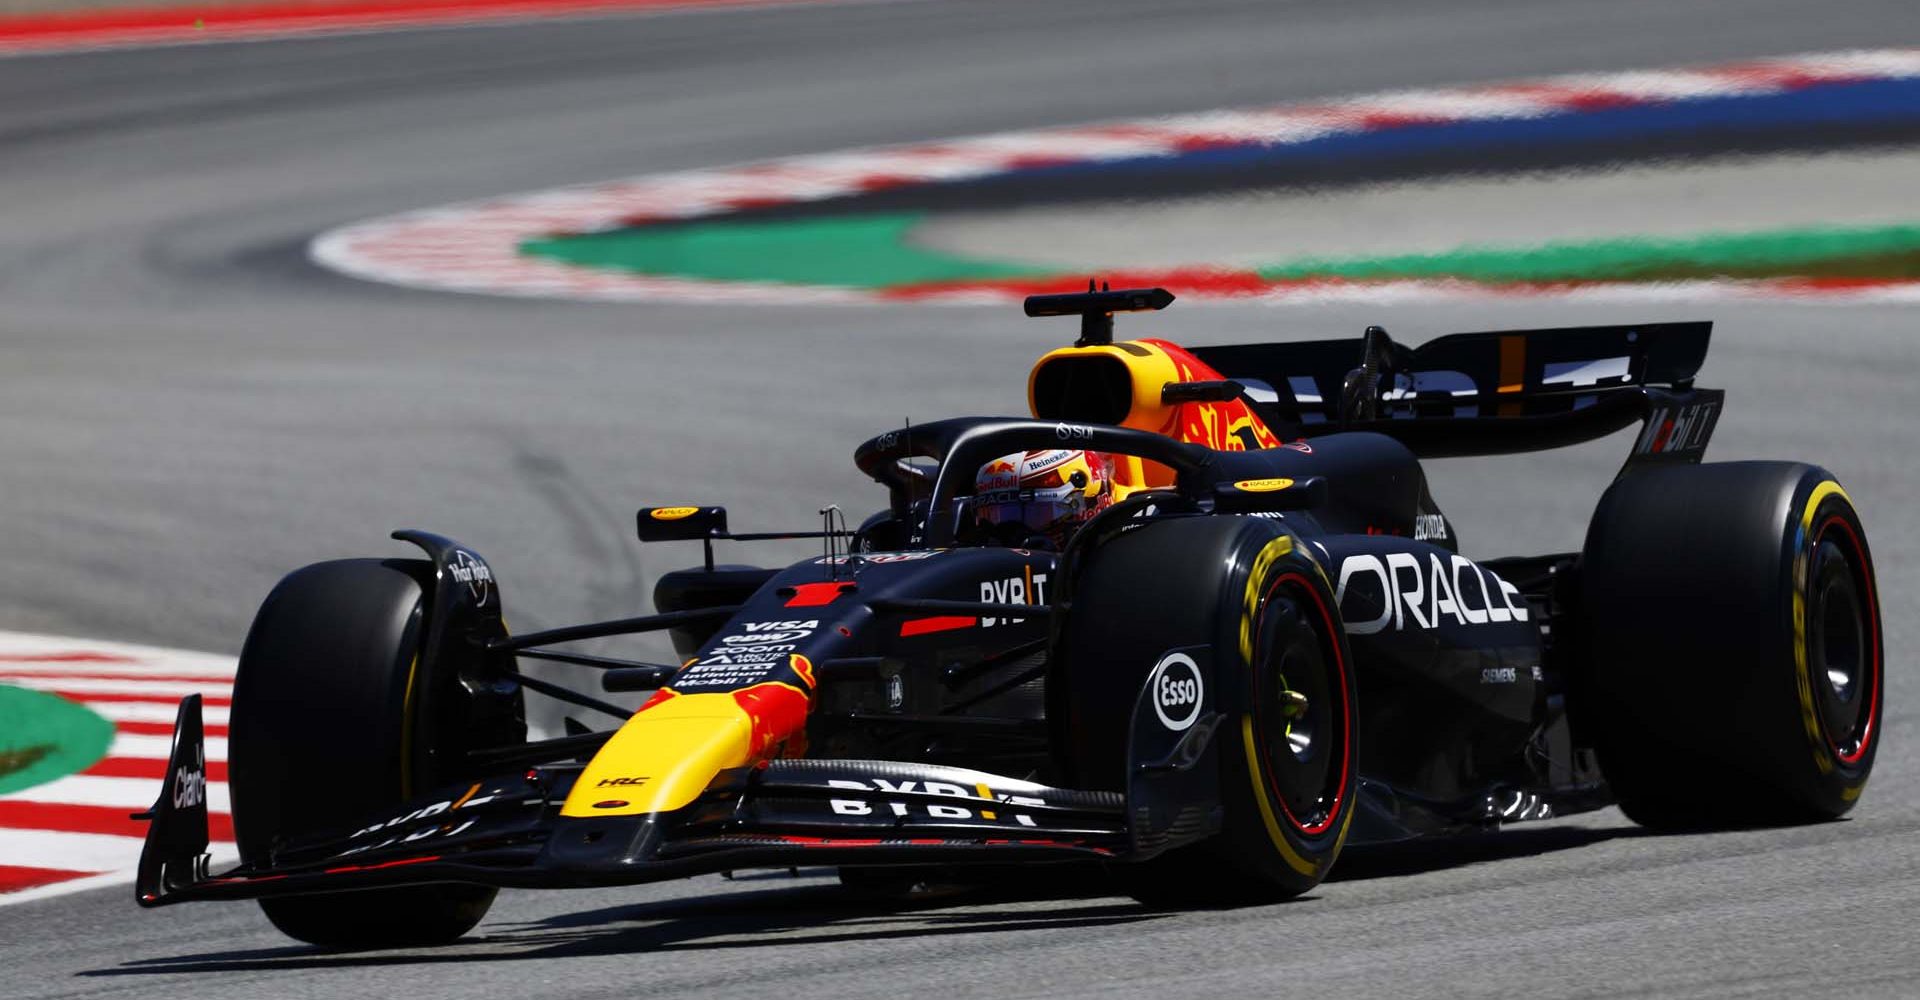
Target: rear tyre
{"x": 320, "y": 736}
{"x": 1734, "y": 669}
{"x": 1244, "y": 587}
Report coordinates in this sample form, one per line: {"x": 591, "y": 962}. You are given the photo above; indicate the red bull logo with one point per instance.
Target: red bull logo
{"x": 1228, "y": 426}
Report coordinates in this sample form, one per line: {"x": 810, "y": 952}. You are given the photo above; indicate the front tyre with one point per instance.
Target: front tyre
{"x": 322, "y": 734}
{"x": 1735, "y": 665}
{"x": 1287, "y": 752}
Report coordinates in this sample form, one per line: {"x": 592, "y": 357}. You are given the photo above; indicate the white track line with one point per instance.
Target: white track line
{"x": 158, "y": 747}
{"x": 65, "y": 851}
{"x": 145, "y": 711}
{"x": 170, "y": 690}
{"x": 146, "y": 659}
{"x": 224, "y": 854}
{"x": 131, "y": 794}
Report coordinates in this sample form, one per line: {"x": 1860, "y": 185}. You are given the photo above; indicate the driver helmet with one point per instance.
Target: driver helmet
{"x": 1031, "y": 495}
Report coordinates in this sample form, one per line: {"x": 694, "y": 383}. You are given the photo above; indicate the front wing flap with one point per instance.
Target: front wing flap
{"x": 508, "y": 831}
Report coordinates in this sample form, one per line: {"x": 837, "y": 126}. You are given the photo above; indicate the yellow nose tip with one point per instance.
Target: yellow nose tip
{"x": 664, "y": 757}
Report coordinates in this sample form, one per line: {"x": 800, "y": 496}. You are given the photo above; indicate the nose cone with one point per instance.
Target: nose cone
{"x": 671, "y": 750}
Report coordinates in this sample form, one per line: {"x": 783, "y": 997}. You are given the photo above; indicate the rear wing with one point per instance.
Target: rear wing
{"x": 1489, "y": 393}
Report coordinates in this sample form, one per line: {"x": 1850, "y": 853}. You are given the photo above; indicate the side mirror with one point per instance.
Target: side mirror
{"x": 681, "y": 524}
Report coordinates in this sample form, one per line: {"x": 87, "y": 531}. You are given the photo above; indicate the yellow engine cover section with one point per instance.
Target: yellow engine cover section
{"x": 1121, "y": 383}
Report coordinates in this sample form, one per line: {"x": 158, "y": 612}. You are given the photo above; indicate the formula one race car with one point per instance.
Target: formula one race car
{"x": 1263, "y": 646}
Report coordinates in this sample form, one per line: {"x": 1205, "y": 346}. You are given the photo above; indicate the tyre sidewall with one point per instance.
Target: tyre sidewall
{"x": 319, "y": 729}
{"x": 1280, "y": 571}
{"x": 326, "y": 730}
{"x": 1182, "y": 582}
{"x": 1823, "y": 779}
{"x": 1694, "y": 680}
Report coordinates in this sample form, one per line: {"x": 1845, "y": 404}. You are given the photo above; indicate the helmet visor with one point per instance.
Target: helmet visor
{"x": 1037, "y": 513}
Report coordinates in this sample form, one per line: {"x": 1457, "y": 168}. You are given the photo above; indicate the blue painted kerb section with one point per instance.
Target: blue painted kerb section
{"x": 1871, "y": 103}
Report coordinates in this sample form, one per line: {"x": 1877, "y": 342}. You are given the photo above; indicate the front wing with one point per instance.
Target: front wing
{"x": 507, "y": 830}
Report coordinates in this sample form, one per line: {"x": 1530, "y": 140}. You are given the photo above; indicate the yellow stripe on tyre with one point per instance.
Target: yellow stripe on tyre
{"x": 1803, "y": 683}
{"x": 1274, "y": 832}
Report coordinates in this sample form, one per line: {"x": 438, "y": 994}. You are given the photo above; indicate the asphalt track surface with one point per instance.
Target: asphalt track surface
{"x": 190, "y": 410}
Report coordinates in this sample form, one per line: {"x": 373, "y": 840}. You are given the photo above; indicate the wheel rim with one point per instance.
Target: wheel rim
{"x": 1307, "y": 753}
{"x": 1842, "y": 640}
{"x": 1839, "y": 633}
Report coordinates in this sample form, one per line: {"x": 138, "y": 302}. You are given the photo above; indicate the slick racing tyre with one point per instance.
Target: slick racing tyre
{"x": 1287, "y": 748}
{"x": 320, "y": 737}
{"x": 1734, "y": 666}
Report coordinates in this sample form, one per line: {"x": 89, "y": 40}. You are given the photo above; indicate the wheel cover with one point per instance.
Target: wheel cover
{"x": 1306, "y": 758}
{"x": 1843, "y": 640}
